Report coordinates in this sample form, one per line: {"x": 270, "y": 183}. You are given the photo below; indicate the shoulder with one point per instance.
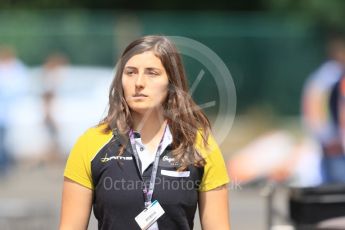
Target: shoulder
{"x": 211, "y": 144}
{"x": 92, "y": 140}
{"x": 326, "y": 75}
{"x": 215, "y": 171}
{"x": 96, "y": 133}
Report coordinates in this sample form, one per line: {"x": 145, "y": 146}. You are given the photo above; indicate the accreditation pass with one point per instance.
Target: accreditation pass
{"x": 150, "y": 215}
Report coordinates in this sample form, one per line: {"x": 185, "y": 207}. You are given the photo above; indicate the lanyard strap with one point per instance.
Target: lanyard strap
{"x": 148, "y": 192}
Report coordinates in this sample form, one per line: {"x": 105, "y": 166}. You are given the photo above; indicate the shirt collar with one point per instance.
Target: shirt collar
{"x": 167, "y": 138}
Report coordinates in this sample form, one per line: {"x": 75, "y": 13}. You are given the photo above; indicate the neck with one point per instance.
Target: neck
{"x": 149, "y": 125}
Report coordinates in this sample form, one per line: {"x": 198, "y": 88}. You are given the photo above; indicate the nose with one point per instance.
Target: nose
{"x": 140, "y": 81}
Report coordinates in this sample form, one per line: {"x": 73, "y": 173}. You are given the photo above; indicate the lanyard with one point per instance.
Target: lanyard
{"x": 147, "y": 192}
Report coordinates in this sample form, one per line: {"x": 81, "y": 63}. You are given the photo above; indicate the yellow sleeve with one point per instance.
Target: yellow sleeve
{"x": 78, "y": 167}
{"x": 215, "y": 172}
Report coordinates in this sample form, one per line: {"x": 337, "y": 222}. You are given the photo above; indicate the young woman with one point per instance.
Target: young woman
{"x": 152, "y": 159}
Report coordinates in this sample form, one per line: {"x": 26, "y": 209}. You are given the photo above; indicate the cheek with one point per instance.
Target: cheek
{"x": 162, "y": 90}
{"x": 125, "y": 87}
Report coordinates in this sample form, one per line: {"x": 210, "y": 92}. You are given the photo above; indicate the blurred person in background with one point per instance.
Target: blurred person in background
{"x": 52, "y": 76}
{"x": 321, "y": 110}
{"x": 13, "y": 83}
{"x": 153, "y": 130}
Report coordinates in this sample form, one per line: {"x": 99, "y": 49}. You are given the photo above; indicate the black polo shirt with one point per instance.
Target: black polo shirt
{"x": 117, "y": 182}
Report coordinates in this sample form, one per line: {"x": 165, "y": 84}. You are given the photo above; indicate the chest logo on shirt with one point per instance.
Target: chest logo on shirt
{"x": 170, "y": 160}
{"x": 106, "y": 158}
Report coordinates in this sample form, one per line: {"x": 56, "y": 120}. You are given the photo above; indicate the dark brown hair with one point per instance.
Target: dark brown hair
{"x": 184, "y": 117}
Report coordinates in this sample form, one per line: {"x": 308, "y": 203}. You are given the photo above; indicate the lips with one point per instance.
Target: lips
{"x": 139, "y": 95}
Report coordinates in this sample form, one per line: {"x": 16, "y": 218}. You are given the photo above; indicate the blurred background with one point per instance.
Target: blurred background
{"x": 286, "y": 59}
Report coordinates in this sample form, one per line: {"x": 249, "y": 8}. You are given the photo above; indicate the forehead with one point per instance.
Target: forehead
{"x": 146, "y": 59}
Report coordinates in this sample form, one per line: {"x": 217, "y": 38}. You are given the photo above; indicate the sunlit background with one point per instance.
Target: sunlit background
{"x": 57, "y": 60}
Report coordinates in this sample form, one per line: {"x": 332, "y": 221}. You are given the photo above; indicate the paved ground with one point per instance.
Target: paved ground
{"x": 30, "y": 199}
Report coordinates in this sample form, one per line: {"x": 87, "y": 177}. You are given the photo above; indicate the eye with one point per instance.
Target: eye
{"x": 153, "y": 73}
{"x": 129, "y": 72}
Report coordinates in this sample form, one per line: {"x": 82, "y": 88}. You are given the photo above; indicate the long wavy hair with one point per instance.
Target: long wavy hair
{"x": 184, "y": 116}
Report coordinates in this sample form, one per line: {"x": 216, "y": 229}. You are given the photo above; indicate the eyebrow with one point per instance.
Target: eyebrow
{"x": 146, "y": 69}
{"x": 153, "y": 69}
{"x": 130, "y": 67}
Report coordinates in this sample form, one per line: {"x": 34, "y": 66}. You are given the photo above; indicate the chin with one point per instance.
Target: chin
{"x": 143, "y": 109}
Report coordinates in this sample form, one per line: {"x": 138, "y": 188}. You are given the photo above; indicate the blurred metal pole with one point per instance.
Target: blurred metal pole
{"x": 268, "y": 193}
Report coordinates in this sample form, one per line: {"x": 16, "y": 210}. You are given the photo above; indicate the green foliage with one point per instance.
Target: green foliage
{"x": 326, "y": 12}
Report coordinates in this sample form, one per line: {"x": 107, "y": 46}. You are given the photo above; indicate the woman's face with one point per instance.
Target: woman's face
{"x": 145, "y": 82}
